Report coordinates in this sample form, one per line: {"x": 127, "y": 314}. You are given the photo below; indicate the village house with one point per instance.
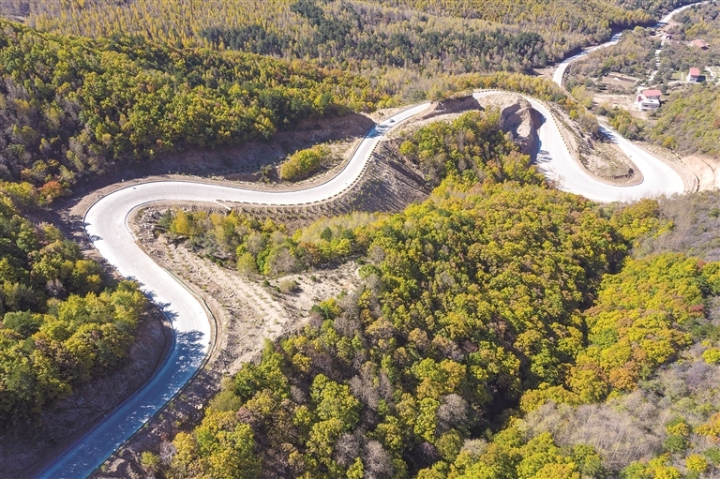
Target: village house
{"x": 649, "y": 100}
{"x": 699, "y": 44}
{"x": 694, "y": 76}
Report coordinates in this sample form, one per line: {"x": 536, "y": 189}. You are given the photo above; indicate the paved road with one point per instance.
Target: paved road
{"x": 106, "y": 223}
{"x": 556, "y": 162}
{"x": 563, "y": 65}
{"x": 666, "y": 19}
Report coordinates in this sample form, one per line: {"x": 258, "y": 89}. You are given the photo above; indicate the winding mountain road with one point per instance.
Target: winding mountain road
{"x": 562, "y": 67}
{"x": 556, "y": 162}
{"x": 106, "y": 223}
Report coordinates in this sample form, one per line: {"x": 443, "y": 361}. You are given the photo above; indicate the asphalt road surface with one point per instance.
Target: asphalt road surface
{"x": 555, "y": 161}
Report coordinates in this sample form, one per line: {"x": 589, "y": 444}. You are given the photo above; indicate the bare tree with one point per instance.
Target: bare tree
{"x": 451, "y": 413}
{"x": 377, "y": 461}
{"x": 167, "y": 452}
{"x": 347, "y": 449}
{"x": 363, "y": 387}
{"x": 622, "y": 434}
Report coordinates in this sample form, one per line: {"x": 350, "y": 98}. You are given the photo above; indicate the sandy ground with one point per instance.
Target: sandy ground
{"x": 626, "y": 102}
{"x": 246, "y": 311}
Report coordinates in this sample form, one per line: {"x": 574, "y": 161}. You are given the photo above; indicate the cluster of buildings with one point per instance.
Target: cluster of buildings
{"x": 695, "y": 76}
{"x": 648, "y": 100}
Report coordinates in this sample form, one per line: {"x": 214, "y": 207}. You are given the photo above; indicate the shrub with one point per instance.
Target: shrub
{"x": 712, "y": 356}
{"x": 304, "y": 163}
{"x": 288, "y": 286}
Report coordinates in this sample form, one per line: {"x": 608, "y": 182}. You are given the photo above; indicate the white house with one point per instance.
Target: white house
{"x": 649, "y": 99}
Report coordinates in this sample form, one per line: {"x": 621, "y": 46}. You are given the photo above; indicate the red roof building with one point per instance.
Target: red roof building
{"x": 652, "y": 94}
{"x": 694, "y": 76}
{"x": 700, "y": 44}
{"x": 649, "y": 100}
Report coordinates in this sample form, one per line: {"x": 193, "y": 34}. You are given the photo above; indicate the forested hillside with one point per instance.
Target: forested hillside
{"x": 409, "y": 46}
{"x": 70, "y": 107}
{"x": 392, "y": 380}
{"x": 488, "y": 300}
{"x": 668, "y": 426}
{"x": 633, "y": 55}
{"x": 473, "y": 298}
{"x": 689, "y": 121}
{"x": 61, "y": 322}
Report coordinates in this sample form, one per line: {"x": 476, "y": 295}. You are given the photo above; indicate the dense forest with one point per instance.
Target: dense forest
{"x": 350, "y": 37}
{"x": 185, "y": 22}
{"x": 406, "y": 47}
{"x": 562, "y": 16}
{"x": 488, "y": 318}
{"x": 61, "y": 322}
{"x": 667, "y": 427}
{"x": 71, "y": 107}
{"x": 689, "y": 122}
{"x": 392, "y": 378}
